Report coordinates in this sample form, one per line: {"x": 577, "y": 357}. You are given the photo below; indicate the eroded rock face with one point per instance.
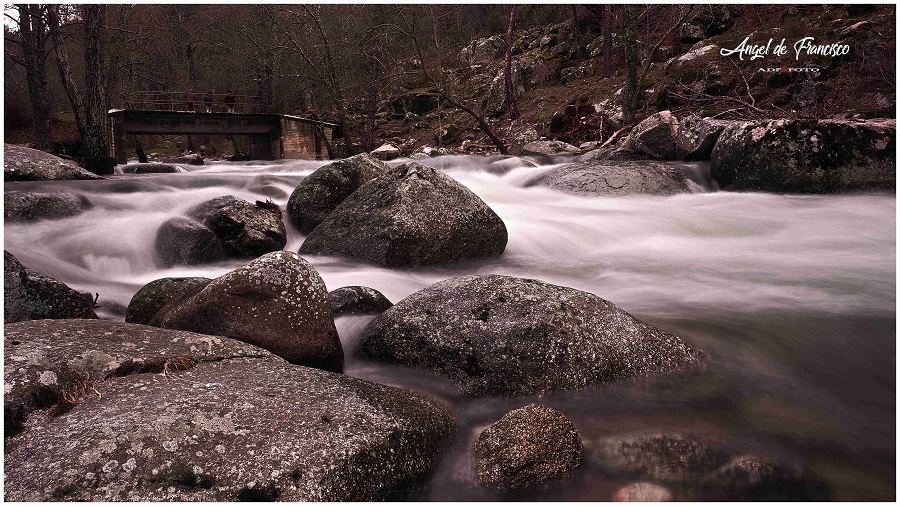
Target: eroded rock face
{"x": 26, "y": 164}
{"x": 277, "y": 302}
{"x": 181, "y": 241}
{"x": 655, "y": 136}
{"x": 357, "y": 300}
{"x": 413, "y": 215}
{"x": 513, "y": 336}
{"x": 28, "y": 295}
{"x": 243, "y": 229}
{"x": 156, "y": 294}
{"x": 530, "y": 448}
{"x": 164, "y": 415}
{"x": 34, "y": 206}
{"x": 614, "y": 178}
{"x": 317, "y": 195}
{"x": 806, "y": 156}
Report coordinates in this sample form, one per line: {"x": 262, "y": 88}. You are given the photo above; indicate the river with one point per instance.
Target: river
{"x": 793, "y": 298}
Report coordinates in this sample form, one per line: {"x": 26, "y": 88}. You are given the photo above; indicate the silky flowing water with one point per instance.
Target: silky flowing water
{"x": 793, "y": 298}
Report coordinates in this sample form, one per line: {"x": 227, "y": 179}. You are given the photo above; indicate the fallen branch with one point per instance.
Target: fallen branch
{"x": 615, "y": 135}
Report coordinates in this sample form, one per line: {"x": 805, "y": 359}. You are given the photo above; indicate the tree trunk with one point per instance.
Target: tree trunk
{"x": 676, "y": 40}
{"x": 630, "y": 91}
{"x": 607, "y": 40}
{"x": 65, "y": 71}
{"x": 511, "y": 106}
{"x": 96, "y": 141}
{"x": 31, "y": 27}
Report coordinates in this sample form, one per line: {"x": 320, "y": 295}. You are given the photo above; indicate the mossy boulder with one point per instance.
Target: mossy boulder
{"x": 111, "y": 411}
{"x": 412, "y": 215}
{"x": 320, "y": 192}
{"x": 806, "y": 156}
{"x": 26, "y": 164}
{"x": 28, "y": 295}
{"x": 500, "y": 335}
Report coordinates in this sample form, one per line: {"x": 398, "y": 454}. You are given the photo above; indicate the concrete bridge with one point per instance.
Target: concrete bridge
{"x": 272, "y": 136}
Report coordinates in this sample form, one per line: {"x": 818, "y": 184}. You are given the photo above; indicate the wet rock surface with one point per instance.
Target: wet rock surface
{"x": 614, "y": 178}
{"x": 163, "y": 415}
{"x": 642, "y": 492}
{"x": 357, "y": 300}
{"x": 277, "y": 302}
{"x": 28, "y": 295}
{"x": 413, "y": 215}
{"x": 156, "y": 294}
{"x": 513, "y": 336}
{"x": 181, "y": 241}
{"x": 319, "y": 193}
{"x": 21, "y": 207}
{"x": 806, "y": 156}
{"x": 530, "y": 448}
{"x": 26, "y": 164}
{"x": 243, "y": 229}
{"x": 150, "y": 168}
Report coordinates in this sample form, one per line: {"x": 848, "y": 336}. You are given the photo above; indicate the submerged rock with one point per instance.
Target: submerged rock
{"x": 642, "y": 492}
{"x": 706, "y": 473}
{"x": 530, "y": 448}
{"x": 134, "y": 413}
{"x": 357, "y": 300}
{"x": 26, "y": 164}
{"x": 614, "y": 178}
{"x": 28, "y": 295}
{"x": 413, "y": 215}
{"x": 150, "y": 168}
{"x": 806, "y": 156}
{"x": 181, "y": 241}
{"x": 317, "y": 195}
{"x": 156, "y": 294}
{"x": 277, "y": 302}
{"x": 243, "y": 229}
{"x": 513, "y": 336}
{"x": 21, "y": 207}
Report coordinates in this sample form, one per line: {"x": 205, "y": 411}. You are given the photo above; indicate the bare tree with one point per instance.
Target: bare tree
{"x": 91, "y": 113}
{"x": 32, "y": 39}
{"x": 511, "y": 106}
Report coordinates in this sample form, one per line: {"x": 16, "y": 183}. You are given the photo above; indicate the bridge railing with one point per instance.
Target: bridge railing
{"x": 179, "y": 101}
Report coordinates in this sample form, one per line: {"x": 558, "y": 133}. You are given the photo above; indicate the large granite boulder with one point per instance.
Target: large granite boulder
{"x": 182, "y": 241}
{"x": 317, "y": 195}
{"x": 806, "y": 156}
{"x": 413, "y": 215}
{"x": 151, "y": 168}
{"x": 28, "y": 295}
{"x": 697, "y": 136}
{"x": 156, "y": 294}
{"x": 26, "y": 164}
{"x": 530, "y": 448}
{"x": 357, "y": 300}
{"x": 34, "y": 206}
{"x": 512, "y": 336}
{"x": 482, "y": 51}
{"x": 244, "y": 229}
{"x": 277, "y": 302}
{"x": 655, "y": 136}
{"x": 110, "y": 411}
{"x": 614, "y": 178}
